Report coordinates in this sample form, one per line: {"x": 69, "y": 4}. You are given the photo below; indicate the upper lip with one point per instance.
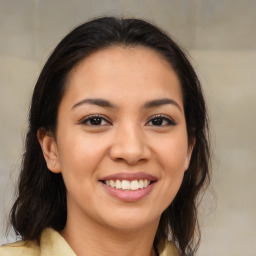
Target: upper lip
{"x": 130, "y": 176}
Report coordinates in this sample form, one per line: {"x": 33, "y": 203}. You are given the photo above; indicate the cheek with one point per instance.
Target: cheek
{"x": 174, "y": 153}
{"x": 173, "y": 162}
{"x": 173, "y": 159}
{"x": 79, "y": 156}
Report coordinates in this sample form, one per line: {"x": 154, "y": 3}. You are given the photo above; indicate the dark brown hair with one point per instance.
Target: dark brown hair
{"x": 41, "y": 200}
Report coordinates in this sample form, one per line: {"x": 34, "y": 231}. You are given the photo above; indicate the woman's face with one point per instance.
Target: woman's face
{"x": 121, "y": 141}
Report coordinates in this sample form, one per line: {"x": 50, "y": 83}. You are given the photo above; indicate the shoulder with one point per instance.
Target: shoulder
{"x": 167, "y": 248}
{"x": 51, "y": 244}
{"x": 21, "y": 248}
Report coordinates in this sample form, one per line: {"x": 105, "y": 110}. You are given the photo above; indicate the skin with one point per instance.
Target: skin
{"x": 126, "y": 139}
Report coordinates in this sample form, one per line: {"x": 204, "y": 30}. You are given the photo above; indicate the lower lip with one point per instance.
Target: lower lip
{"x": 129, "y": 195}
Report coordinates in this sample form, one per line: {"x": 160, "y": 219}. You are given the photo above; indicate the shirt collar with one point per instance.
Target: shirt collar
{"x": 53, "y": 244}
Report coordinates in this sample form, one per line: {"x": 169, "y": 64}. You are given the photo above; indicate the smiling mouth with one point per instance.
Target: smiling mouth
{"x": 131, "y": 185}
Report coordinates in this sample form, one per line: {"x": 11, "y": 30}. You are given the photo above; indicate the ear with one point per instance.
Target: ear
{"x": 49, "y": 148}
{"x": 189, "y": 153}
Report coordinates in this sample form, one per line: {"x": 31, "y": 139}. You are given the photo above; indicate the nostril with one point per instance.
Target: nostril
{"x": 130, "y": 149}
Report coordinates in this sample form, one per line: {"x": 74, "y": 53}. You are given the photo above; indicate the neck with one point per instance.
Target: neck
{"x": 88, "y": 238}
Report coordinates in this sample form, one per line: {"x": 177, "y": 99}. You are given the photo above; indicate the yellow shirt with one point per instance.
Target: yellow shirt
{"x": 53, "y": 244}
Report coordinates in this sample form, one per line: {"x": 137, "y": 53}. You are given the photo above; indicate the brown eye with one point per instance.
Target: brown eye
{"x": 161, "y": 121}
{"x": 95, "y": 121}
{"x": 157, "y": 121}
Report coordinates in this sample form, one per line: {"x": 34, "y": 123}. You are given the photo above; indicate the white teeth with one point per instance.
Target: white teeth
{"x": 141, "y": 184}
{"x": 146, "y": 183}
{"x": 134, "y": 185}
{"x": 112, "y": 183}
{"x": 128, "y": 185}
{"x": 118, "y": 184}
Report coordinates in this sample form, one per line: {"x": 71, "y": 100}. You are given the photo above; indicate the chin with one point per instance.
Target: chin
{"x": 131, "y": 220}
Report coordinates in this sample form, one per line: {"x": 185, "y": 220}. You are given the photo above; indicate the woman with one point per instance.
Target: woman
{"x": 117, "y": 148}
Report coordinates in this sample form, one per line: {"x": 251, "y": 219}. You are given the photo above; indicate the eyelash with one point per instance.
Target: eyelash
{"x": 90, "y": 118}
{"x": 161, "y": 118}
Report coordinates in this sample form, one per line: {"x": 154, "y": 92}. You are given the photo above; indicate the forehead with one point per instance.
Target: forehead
{"x": 123, "y": 72}
{"x": 122, "y": 55}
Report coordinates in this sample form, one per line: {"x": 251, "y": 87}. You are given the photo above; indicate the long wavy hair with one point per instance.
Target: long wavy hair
{"x": 41, "y": 199}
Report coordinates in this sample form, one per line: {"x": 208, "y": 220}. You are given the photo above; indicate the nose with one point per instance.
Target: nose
{"x": 130, "y": 145}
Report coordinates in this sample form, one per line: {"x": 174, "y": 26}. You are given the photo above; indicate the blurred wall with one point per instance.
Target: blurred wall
{"x": 220, "y": 36}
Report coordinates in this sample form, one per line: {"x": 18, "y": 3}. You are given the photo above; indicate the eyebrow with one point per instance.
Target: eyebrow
{"x": 107, "y": 104}
{"x": 97, "y": 102}
{"x": 160, "y": 102}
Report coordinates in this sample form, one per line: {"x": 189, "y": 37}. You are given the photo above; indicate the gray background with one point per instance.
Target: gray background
{"x": 221, "y": 39}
